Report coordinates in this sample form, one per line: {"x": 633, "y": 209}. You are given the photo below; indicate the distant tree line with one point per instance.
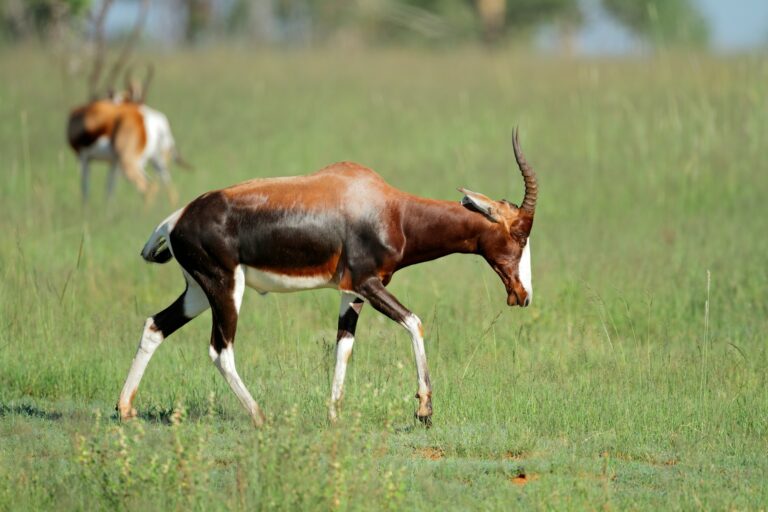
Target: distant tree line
{"x": 658, "y": 22}
{"x": 20, "y": 19}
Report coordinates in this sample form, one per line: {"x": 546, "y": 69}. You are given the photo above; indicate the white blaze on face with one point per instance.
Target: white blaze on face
{"x": 524, "y": 269}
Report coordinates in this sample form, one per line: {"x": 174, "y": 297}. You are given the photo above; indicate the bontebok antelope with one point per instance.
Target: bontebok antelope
{"x": 118, "y": 128}
{"x": 128, "y": 135}
{"x": 342, "y": 227}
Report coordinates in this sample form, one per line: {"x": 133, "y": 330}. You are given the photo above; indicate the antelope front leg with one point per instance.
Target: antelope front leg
{"x": 349, "y": 311}
{"x": 374, "y": 292}
{"x": 111, "y": 180}
{"x": 424, "y": 394}
{"x": 85, "y": 179}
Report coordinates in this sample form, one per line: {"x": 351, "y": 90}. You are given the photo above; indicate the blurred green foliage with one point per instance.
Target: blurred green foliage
{"x": 450, "y": 21}
{"x": 629, "y": 384}
{"x": 523, "y": 13}
{"x": 661, "y": 21}
{"x": 440, "y": 22}
{"x": 23, "y": 18}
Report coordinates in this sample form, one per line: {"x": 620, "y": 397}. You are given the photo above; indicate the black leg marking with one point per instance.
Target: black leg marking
{"x": 349, "y": 312}
{"x": 171, "y": 318}
{"x": 348, "y": 319}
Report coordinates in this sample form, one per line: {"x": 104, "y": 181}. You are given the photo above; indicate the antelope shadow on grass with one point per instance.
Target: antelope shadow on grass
{"x": 28, "y": 410}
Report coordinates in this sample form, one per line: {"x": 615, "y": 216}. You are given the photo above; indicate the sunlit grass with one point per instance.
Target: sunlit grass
{"x": 611, "y": 390}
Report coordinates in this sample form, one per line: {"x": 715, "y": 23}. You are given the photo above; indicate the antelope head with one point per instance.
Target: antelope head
{"x": 133, "y": 91}
{"x": 505, "y": 245}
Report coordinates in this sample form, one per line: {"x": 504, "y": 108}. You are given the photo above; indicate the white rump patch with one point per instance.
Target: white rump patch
{"x": 158, "y": 132}
{"x": 264, "y": 281}
{"x": 524, "y": 270}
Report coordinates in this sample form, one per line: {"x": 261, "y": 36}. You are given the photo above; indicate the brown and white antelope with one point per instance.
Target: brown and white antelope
{"x": 342, "y": 227}
{"x": 127, "y": 134}
{"x": 118, "y": 127}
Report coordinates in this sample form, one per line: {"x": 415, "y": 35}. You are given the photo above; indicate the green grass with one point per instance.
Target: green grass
{"x": 613, "y": 390}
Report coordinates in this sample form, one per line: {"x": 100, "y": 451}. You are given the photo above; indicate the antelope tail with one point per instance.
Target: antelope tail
{"x": 158, "y": 247}
{"x": 181, "y": 162}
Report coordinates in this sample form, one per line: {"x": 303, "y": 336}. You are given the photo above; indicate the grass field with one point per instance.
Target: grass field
{"x": 636, "y": 380}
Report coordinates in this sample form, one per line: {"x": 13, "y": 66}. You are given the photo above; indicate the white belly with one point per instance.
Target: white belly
{"x": 263, "y": 281}
{"x": 101, "y": 149}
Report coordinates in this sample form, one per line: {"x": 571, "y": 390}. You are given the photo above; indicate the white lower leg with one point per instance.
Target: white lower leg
{"x": 413, "y": 324}
{"x": 225, "y": 362}
{"x": 151, "y": 338}
{"x": 343, "y": 351}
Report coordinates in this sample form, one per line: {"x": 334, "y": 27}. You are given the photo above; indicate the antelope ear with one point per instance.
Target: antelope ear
{"x": 481, "y": 203}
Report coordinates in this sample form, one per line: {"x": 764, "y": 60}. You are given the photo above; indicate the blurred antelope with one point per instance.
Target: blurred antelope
{"x": 119, "y": 128}
{"x": 342, "y": 227}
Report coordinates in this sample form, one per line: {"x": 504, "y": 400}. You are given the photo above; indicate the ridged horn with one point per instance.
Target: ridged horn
{"x": 531, "y": 185}
{"x": 130, "y": 43}
{"x": 99, "y": 48}
{"x": 147, "y": 81}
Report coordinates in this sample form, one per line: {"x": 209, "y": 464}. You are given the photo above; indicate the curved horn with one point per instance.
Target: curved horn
{"x": 130, "y": 42}
{"x": 531, "y": 185}
{"x": 127, "y": 76}
{"x": 147, "y": 80}
{"x": 127, "y": 83}
{"x": 99, "y": 48}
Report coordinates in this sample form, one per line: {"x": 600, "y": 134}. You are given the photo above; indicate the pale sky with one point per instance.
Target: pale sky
{"x": 735, "y": 25}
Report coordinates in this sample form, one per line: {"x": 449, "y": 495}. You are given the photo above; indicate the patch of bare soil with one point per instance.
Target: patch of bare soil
{"x": 430, "y": 452}
{"x": 521, "y": 477}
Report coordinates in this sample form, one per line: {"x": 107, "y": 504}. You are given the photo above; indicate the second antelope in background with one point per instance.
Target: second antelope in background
{"x": 119, "y": 128}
